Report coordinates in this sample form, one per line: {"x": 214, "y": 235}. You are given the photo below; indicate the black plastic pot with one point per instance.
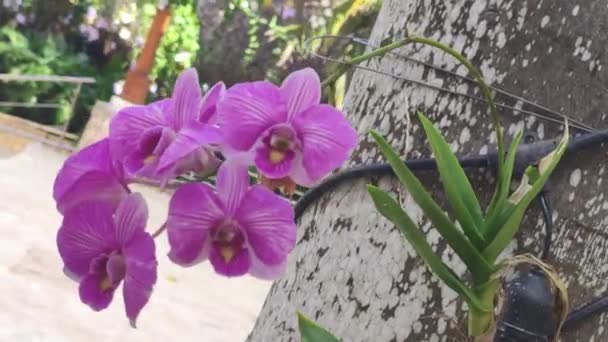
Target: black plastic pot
{"x": 529, "y": 312}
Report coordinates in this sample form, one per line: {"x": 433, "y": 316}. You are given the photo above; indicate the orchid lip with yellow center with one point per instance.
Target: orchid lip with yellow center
{"x": 150, "y": 159}
{"x": 276, "y": 156}
{"x": 228, "y": 240}
{"x": 279, "y": 146}
{"x": 105, "y": 284}
{"x": 227, "y": 253}
{"x": 112, "y": 269}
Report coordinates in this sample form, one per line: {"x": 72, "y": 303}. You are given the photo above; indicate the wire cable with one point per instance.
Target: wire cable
{"x": 378, "y": 170}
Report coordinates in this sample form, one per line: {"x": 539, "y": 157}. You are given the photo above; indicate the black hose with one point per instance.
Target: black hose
{"x": 527, "y": 154}
{"x": 594, "y": 307}
{"x": 585, "y": 140}
{"x": 378, "y": 170}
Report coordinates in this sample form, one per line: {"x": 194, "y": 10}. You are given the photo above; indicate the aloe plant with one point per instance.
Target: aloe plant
{"x": 477, "y": 236}
{"x": 483, "y": 235}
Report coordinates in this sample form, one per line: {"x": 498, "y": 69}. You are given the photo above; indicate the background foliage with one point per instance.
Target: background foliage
{"x": 228, "y": 40}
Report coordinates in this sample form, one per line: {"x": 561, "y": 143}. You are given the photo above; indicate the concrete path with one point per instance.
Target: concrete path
{"x": 38, "y": 303}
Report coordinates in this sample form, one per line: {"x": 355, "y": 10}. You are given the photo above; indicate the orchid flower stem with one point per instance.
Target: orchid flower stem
{"x": 381, "y": 51}
{"x": 480, "y": 321}
{"x": 159, "y": 230}
{"x": 486, "y": 90}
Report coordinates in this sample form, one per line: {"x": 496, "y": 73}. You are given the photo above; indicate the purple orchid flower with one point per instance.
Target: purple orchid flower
{"x": 89, "y": 175}
{"x": 169, "y": 137}
{"x": 101, "y": 247}
{"x": 285, "y": 131}
{"x": 240, "y": 229}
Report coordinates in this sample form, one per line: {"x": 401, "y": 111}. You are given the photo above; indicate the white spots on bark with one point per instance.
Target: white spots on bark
{"x": 575, "y": 177}
{"x": 586, "y": 56}
{"x": 474, "y": 14}
{"x": 541, "y": 131}
{"x": 481, "y": 29}
{"x": 545, "y": 21}
{"x": 521, "y": 17}
{"x": 465, "y": 135}
{"x": 515, "y": 127}
{"x": 582, "y": 50}
{"x": 530, "y": 121}
{"x": 483, "y": 150}
{"x": 575, "y": 10}
{"x": 490, "y": 73}
{"x": 501, "y": 40}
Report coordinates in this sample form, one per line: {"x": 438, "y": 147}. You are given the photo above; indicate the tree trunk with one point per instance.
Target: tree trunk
{"x": 352, "y": 271}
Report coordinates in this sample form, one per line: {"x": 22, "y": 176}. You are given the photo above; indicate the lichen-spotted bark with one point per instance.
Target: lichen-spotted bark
{"x": 351, "y": 271}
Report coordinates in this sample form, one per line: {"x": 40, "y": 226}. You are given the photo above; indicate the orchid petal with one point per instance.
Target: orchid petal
{"x": 115, "y": 269}
{"x": 92, "y": 186}
{"x": 237, "y": 266}
{"x": 194, "y": 210}
{"x": 189, "y": 246}
{"x": 265, "y": 272}
{"x": 164, "y": 108}
{"x": 186, "y": 98}
{"x": 268, "y": 221}
{"x": 298, "y": 174}
{"x": 144, "y": 161}
{"x": 95, "y": 157}
{"x": 140, "y": 275}
{"x": 189, "y": 140}
{"x": 128, "y": 125}
{"x": 327, "y": 139}
{"x": 249, "y": 109}
{"x": 209, "y": 103}
{"x": 91, "y": 293}
{"x": 301, "y": 90}
{"x": 87, "y": 231}
{"x": 232, "y": 183}
{"x": 130, "y": 218}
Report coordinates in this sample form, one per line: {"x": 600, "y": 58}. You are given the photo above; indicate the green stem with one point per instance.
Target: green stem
{"x": 362, "y": 58}
{"x": 487, "y": 92}
{"x": 481, "y": 321}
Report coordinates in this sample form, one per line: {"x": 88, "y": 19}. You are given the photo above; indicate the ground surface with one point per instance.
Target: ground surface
{"x": 38, "y": 303}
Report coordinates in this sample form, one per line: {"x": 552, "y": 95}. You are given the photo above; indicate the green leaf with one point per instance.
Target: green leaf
{"x": 312, "y": 332}
{"x": 457, "y": 187}
{"x": 523, "y": 196}
{"x": 389, "y": 208}
{"x": 502, "y": 189}
{"x": 467, "y": 252}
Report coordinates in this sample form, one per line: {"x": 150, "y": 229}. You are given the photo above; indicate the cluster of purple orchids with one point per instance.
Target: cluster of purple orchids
{"x": 240, "y": 228}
